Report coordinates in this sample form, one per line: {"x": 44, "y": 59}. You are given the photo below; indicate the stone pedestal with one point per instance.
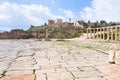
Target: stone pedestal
{"x": 46, "y": 35}
{"x": 117, "y": 57}
{"x": 111, "y": 58}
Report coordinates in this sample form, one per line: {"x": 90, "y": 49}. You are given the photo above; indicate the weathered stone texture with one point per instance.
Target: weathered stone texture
{"x": 34, "y": 60}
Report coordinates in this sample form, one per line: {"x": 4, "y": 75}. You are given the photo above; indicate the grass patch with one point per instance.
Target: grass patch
{"x": 34, "y": 71}
{"x": 100, "y": 51}
{"x": 77, "y": 35}
{"x": 3, "y": 74}
{"x": 33, "y": 54}
{"x": 88, "y": 46}
{"x": 61, "y": 40}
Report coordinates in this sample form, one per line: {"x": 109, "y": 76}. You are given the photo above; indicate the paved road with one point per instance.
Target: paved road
{"x": 65, "y": 60}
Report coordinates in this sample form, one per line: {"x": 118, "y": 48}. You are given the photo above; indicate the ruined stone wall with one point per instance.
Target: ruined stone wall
{"x": 51, "y": 23}
{"x": 4, "y": 35}
{"x": 34, "y": 34}
{"x": 58, "y": 23}
{"x": 77, "y": 24}
{"x": 18, "y": 34}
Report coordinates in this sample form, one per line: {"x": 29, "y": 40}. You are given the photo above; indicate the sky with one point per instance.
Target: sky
{"x": 20, "y": 14}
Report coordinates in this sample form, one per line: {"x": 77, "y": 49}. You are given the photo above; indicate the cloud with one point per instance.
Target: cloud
{"x": 108, "y": 10}
{"x": 5, "y": 29}
{"x": 4, "y": 17}
{"x": 67, "y": 13}
{"x": 23, "y": 15}
{"x": 34, "y": 13}
{"x": 16, "y": 14}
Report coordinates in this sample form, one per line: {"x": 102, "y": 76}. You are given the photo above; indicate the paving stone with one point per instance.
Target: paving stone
{"x": 25, "y": 51}
{"x": 19, "y": 72}
{"x": 1, "y": 71}
{"x": 73, "y": 69}
{"x": 80, "y": 58}
{"x": 25, "y": 58}
{"x": 55, "y": 60}
{"x": 67, "y": 57}
{"x": 94, "y": 78}
{"x": 85, "y": 63}
{"x": 87, "y": 74}
{"x": 51, "y": 67}
{"x": 72, "y": 61}
{"x": 42, "y": 61}
{"x": 113, "y": 72}
{"x": 4, "y": 66}
{"x": 40, "y": 76}
{"x": 35, "y": 60}
{"x": 21, "y": 65}
{"x": 87, "y": 68}
{"x": 60, "y": 76}
{"x": 43, "y": 71}
{"x": 71, "y": 65}
{"x": 19, "y": 77}
{"x": 61, "y": 70}
{"x": 102, "y": 68}
{"x": 62, "y": 64}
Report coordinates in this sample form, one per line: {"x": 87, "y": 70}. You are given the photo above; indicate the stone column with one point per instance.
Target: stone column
{"x": 46, "y": 34}
{"x": 87, "y": 33}
{"x": 108, "y": 33}
{"x": 90, "y": 33}
{"x": 94, "y": 33}
{"x": 112, "y": 32}
{"x": 100, "y": 33}
{"x": 103, "y": 33}
{"x": 116, "y": 33}
{"x": 97, "y": 33}
{"x": 38, "y": 34}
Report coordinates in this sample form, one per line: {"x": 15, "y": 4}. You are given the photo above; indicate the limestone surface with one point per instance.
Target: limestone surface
{"x": 56, "y": 60}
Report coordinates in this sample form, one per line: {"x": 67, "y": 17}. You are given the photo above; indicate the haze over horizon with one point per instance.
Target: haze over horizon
{"x": 21, "y": 14}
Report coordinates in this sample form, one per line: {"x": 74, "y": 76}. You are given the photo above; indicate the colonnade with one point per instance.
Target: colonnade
{"x": 109, "y": 33}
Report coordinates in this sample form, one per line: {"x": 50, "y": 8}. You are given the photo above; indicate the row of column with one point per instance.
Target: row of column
{"x": 109, "y": 33}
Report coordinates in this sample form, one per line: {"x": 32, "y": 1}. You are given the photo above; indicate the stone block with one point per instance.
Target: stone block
{"x": 21, "y": 72}
{"x": 19, "y": 77}
{"x": 40, "y": 76}
{"x": 51, "y": 67}
{"x": 60, "y": 76}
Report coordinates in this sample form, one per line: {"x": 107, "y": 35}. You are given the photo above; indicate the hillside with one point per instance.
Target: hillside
{"x": 64, "y": 33}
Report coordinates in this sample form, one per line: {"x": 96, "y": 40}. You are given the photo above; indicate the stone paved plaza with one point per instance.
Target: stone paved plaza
{"x": 54, "y": 60}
